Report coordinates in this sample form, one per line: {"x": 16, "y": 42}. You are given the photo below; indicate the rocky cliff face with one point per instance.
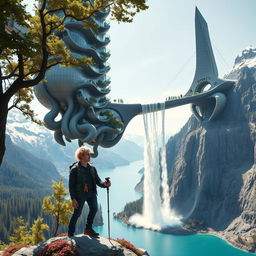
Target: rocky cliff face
{"x": 212, "y": 165}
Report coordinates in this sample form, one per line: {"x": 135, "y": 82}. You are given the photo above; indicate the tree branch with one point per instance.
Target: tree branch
{"x": 14, "y": 105}
{"x": 50, "y": 66}
{"x": 45, "y": 53}
{"x": 10, "y": 75}
{"x": 88, "y": 16}
{"x": 55, "y": 10}
{"x": 1, "y": 82}
{"x": 19, "y": 83}
{"x": 43, "y": 6}
{"x": 11, "y": 65}
{"x": 21, "y": 66}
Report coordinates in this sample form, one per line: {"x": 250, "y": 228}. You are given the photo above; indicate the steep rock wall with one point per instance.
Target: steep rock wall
{"x": 211, "y": 164}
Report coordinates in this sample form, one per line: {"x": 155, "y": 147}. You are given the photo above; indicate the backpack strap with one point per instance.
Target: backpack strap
{"x": 72, "y": 165}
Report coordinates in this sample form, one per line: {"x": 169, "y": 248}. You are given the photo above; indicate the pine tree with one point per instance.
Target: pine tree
{"x": 3, "y": 245}
{"x": 21, "y": 234}
{"x": 37, "y": 231}
{"x": 57, "y": 206}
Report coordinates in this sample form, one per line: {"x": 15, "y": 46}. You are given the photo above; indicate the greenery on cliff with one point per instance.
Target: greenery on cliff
{"x": 15, "y": 202}
{"x": 130, "y": 209}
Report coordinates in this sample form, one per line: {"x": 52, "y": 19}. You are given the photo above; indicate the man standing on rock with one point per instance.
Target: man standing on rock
{"x": 83, "y": 179}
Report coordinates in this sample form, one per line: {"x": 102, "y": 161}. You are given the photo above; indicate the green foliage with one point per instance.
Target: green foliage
{"x": 115, "y": 123}
{"x": 15, "y": 202}
{"x": 57, "y": 206}
{"x": 13, "y": 10}
{"x": 130, "y": 209}
{"x": 3, "y": 245}
{"x": 22, "y": 100}
{"x": 37, "y": 231}
{"x": 106, "y": 113}
{"x": 21, "y": 233}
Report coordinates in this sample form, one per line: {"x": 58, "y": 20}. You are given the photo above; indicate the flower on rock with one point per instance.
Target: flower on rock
{"x": 59, "y": 248}
{"x": 11, "y": 250}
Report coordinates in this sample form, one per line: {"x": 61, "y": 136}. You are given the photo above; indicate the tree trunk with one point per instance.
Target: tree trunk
{"x": 3, "y": 120}
{"x": 56, "y": 226}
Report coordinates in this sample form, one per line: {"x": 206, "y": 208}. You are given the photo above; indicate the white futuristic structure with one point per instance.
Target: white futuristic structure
{"x": 80, "y": 94}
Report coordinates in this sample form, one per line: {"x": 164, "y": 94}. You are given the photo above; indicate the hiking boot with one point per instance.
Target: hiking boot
{"x": 70, "y": 235}
{"x": 90, "y": 232}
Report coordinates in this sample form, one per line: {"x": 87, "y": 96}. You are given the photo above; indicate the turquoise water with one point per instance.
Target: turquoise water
{"x": 122, "y": 191}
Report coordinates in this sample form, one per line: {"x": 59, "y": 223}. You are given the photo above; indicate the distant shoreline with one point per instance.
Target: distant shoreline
{"x": 221, "y": 235}
{"x": 179, "y": 231}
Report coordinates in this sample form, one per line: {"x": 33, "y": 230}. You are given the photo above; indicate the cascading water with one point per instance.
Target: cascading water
{"x": 156, "y": 205}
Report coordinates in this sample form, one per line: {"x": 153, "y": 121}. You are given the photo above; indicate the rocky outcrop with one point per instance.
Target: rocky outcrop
{"x": 85, "y": 246}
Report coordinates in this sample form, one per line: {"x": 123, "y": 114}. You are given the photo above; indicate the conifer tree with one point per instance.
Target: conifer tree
{"x": 2, "y": 245}
{"x": 37, "y": 231}
{"x": 21, "y": 234}
{"x": 57, "y": 206}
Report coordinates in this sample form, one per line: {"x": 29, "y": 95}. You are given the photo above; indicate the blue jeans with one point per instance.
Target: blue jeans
{"x": 93, "y": 207}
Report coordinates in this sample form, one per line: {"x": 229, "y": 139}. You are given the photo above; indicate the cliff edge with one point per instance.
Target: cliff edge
{"x": 212, "y": 165}
{"x": 78, "y": 245}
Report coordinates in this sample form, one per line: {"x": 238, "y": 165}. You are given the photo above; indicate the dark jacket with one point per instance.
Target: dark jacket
{"x": 76, "y": 181}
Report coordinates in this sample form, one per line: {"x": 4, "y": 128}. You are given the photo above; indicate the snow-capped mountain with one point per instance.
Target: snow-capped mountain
{"x": 21, "y": 169}
{"x": 246, "y": 59}
{"x": 40, "y": 141}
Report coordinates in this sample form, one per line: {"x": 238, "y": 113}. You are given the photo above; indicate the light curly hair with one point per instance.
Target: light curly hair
{"x": 80, "y": 151}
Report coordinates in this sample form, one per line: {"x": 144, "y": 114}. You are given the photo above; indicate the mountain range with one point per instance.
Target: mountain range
{"x": 40, "y": 142}
{"x": 22, "y": 169}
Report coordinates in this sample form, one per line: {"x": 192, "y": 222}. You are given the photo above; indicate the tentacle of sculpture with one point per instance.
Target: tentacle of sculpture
{"x": 96, "y": 116}
{"x": 102, "y": 132}
{"x": 66, "y": 119}
{"x": 109, "y": 135}
{"x": 89, "y": 131}
{"x": 67, "y": 139}
{"x": 97, "y": 143}
{"x": 58, "y": 136}
{"x": 49, "y": 118}
{"x": 74, "y": 122}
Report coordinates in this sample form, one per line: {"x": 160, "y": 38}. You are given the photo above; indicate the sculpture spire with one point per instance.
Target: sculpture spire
{"x": 205, "y": 62}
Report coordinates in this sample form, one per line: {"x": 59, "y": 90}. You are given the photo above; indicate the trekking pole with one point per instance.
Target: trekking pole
{"x": 107, "y": 179}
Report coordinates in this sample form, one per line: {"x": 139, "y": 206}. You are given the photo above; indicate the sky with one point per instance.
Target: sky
{"x": 154, "y": 57}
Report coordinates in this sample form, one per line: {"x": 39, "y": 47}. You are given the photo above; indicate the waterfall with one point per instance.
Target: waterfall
{"x": 156, "y": 205}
